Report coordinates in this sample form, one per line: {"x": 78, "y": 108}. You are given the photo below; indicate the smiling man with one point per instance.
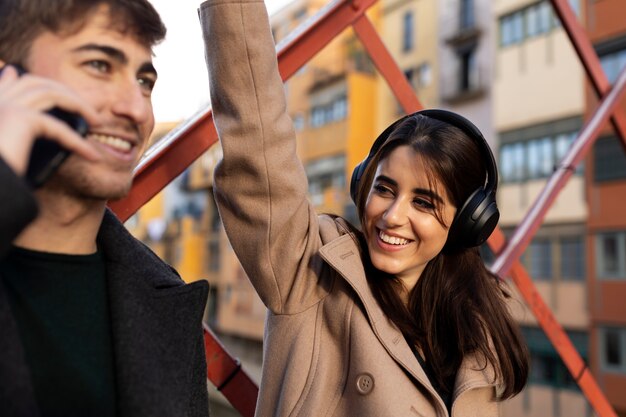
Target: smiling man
{"x": 93, "y": 323}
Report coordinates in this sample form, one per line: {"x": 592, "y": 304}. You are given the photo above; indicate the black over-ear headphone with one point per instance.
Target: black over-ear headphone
{"x": 478, "y": 216}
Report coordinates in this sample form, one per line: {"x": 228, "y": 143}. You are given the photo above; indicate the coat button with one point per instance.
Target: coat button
{"x": 364, "y": 383}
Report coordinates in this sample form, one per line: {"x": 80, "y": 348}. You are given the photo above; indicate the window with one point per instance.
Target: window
{"x": 424, "y": 75}
{"x": 298, "y": 122}
{"x": 468, "y": 74}
{"x": 511, "y": 29}
{"x": 613, "y": 63}
{"x": 536, "y": 158}
{"x": 214, "y": 254}
{"x": 540, "y": 158}
{"x": 539, "y": 259}
{"x": 331, "y": 112}
{"x": 609, "y": 160}
{"x": 531, "y": 21}
{"x": 546, "y": 367}
{"x": 572, "y": 258}
{"x": 611, "y": 255}
{"x": 613, "y": 349}
{"x": 325, "y": 174}
{"x": 407, "y": 32}
{"x": 512, "y": 162}
{"x": 533, "y": 26}
{"x": 546, "y": 17}
{"x": 467, "y": 14}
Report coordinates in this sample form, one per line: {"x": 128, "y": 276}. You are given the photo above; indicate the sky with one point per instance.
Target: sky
{"x": 183, "y": 85}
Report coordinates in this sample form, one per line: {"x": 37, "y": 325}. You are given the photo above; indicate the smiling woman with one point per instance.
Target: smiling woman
{"x": 400, "y": 319}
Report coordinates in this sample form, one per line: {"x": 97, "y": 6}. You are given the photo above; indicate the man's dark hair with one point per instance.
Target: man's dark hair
{"x": 21, "y": 21}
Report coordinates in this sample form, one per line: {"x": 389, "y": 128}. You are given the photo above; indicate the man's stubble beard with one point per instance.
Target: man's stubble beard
{"x": 78, "y": 179}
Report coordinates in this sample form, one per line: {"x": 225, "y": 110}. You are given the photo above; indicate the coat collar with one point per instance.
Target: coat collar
{"x": 343, "y": 255}
{"x": 153, "y": 315}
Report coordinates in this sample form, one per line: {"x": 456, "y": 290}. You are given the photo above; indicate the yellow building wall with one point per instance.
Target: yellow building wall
{"x": 192, "y": 252}
{"x": 361, "y": 120}
{"x": 390, "y": 28}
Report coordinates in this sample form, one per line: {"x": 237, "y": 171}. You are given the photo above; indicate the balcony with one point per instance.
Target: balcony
{"x": 461, "y": 24}
{"x": 467, "y": 82}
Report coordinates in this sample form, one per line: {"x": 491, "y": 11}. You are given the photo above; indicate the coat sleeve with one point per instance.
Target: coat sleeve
{"x": 260, "y": 185}
{"x": 18, "y": 206}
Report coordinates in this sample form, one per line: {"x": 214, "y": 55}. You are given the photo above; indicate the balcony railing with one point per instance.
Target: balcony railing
{"x": 464, "y": 84}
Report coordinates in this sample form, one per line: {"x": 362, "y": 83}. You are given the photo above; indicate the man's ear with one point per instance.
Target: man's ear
{"x": 2, "y": 63}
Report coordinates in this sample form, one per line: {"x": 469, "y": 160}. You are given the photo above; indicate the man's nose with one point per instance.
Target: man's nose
{"x": 131, "y": 102}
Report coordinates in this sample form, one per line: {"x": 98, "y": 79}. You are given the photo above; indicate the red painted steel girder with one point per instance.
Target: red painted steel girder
{"x": 588, "y": 57}
{"x": 386, "y": 65}
{"x": 228, "y": 376}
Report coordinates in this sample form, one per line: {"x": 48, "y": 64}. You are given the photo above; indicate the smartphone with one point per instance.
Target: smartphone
{"x": 47, "y": 155}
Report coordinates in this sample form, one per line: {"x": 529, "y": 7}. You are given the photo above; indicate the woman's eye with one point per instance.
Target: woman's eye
{"x": 381, "y": 189}
{"x": 424, "y": 204}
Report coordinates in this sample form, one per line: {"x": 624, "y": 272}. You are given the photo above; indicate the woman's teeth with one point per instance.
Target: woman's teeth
{"x": 392, "y": 240}
{"x": 112, "y": 141}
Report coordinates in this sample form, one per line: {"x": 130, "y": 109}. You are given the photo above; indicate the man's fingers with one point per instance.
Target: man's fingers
{"x": 42, "y": 94}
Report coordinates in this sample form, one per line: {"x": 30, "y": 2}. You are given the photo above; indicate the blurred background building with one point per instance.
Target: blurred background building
{"x": 508, "y": 66}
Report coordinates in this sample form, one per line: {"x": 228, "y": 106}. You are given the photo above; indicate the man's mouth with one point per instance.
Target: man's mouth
{"x": 114, "y": 142}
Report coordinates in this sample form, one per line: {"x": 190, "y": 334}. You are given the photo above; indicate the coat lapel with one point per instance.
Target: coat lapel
{"x": 343, "y": 255}
{"x": 152, "y": 317}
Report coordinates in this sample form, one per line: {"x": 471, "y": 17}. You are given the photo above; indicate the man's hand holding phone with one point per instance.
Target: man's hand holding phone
{"x": 41, "y": 122}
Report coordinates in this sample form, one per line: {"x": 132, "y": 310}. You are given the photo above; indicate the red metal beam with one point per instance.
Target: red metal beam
{"x": 386, "y": 65}
{"x": 588, "y": 57}
{"x": 228, "y": 376}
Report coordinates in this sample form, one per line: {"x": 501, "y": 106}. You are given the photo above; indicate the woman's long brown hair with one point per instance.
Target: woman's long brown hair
{"x": 458, "y": 306}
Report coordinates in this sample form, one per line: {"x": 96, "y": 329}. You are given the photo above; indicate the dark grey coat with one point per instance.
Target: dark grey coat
{"x": 156, "y": 319}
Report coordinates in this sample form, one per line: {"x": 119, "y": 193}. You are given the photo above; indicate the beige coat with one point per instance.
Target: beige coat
{"x": 329, "y": 349}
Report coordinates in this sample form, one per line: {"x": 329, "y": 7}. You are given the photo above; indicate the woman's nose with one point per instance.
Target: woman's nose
{"x": 396, "y": 213}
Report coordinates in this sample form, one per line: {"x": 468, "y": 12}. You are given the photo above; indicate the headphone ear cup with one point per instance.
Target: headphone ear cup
{"x": 475, "y": 221}
{"x": 357, "y": 173}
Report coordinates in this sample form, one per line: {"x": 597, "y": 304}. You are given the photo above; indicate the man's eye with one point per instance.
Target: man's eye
{"x": 100, "y": 66}
{"x": 147, "y": 83}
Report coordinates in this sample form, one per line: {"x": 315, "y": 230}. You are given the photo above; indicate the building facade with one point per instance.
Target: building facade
{"x": 606, "y": 235}
{"x": 538, "y": 104}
